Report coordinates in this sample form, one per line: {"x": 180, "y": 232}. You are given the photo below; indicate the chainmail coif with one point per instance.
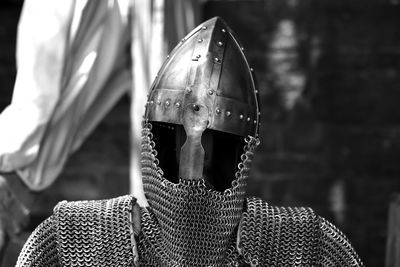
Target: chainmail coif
{"x": 188, "y": 224}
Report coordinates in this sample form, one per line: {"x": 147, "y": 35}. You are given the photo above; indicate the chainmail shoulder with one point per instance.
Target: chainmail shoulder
{"x": 95, "y": 233}
{"x": 291, "y": 236}
{"x": 41, "y": 248}
{"x": 334, "y": 249}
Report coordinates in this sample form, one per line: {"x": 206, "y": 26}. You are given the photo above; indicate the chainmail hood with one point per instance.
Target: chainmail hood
{"x": 188, "y": 224}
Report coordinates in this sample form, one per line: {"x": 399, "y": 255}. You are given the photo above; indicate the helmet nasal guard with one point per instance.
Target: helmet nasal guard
{"x": 205, "y": 93}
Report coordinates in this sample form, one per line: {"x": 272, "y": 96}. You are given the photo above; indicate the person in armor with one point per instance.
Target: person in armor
{"x": 199, "y": 135}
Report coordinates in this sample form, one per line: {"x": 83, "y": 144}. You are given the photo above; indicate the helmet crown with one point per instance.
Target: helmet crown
{"x": 207, "y": 68}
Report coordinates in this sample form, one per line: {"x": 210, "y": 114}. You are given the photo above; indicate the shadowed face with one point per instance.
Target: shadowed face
{"x": 222, "y": 153}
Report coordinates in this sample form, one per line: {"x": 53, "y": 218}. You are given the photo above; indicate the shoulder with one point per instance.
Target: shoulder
{"x": 99, "y": 231}
{"x": 271, "y": 235}
{"x": 286, "y": 236}
{"x": 40, "y": 249}
{"x": 94, "y": 213}
{"x": 103, "y": 207}
{"x": 275, "y": 219}
{"x": 335, "y": 248}
{"x": 256, "y": 207}
{"x": 93, "y": 217}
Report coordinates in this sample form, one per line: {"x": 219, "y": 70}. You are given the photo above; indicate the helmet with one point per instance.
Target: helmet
{"x": 202, "y": 103}
{"x": 200, "y": 130}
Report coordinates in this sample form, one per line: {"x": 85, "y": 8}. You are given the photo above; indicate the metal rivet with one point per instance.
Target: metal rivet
{"x": 200, "y": 40}
{"x": 241, "y": 116}
{"x": 189, "y": 90}
{"x": 198, "y": 56}
{"x": 217, "y": 59}
{"x": 211, "y": 92}
{"x": 255, "y": 122}
{"x": 248, "y": 119}
{"x": 218, "y": 111}
{"x": 167, "y": 103}
{"x": 242, "y": 48}
{"x": 228, "y": 113}
{"x": 167, "y": 56}
{"x": 183, "y": 40}
{"x": 256, "y": 91}
{"x": 158, "y": 102}
{"x": 151, "y": 102}
{"x": 223, "y": 30}
{"x": 177, "y": 104}
{"x": 259, "y": 113}
{"x": 251, "y": 69}
{"x": 220, "y": 43}
{"x": 204, "y": 28}
{"x": 196, "y": 107}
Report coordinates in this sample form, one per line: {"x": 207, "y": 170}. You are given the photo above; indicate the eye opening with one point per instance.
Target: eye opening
{"x": 223, "y": 153}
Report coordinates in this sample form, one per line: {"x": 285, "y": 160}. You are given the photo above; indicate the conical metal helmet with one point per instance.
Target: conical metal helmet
{"x": 207, "y": 68}
{"x": 205, "y": 83}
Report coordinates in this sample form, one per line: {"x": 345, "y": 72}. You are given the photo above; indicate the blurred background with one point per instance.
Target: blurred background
{"x": 328, "y": 72}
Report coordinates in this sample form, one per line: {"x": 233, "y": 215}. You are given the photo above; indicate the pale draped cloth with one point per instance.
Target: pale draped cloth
{"x": 75, "y": 59}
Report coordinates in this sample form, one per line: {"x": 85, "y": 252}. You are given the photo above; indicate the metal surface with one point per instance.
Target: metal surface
{"x": 192, "y": 152}
{"x": 207, "y": 68}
